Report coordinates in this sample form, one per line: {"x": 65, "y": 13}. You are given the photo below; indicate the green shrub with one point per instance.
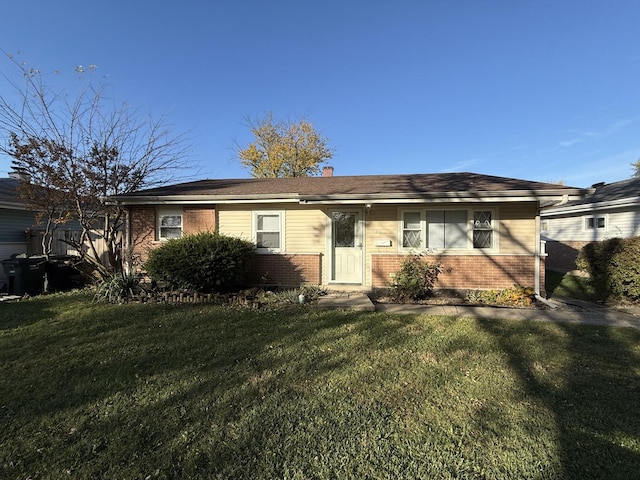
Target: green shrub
{"x": 415, "y": 279}
{"x": 205, "y": 262}
{"x": 117, "y": 288}
{"x": 614, "y": 266}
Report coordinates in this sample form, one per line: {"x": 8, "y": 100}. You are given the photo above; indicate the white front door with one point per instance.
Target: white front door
{"x": 346, "y": 246}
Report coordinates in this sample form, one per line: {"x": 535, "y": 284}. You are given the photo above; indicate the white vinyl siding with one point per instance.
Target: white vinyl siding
{"x": 618, "y": 223}
{"x": 304, "y": 228}
{"x": 517, "y": 228}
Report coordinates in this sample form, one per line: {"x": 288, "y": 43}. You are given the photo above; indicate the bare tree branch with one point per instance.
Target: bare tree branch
{"x": 76, "y": 149}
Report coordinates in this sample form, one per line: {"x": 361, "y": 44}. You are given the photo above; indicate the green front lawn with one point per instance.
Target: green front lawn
{"x": 139, "y": 391}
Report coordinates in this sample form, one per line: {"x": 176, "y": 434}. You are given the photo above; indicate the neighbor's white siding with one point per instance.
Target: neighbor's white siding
{"x": 618, "y": 223}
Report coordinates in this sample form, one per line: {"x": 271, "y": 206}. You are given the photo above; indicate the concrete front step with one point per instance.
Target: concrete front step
{"x": 347, "y": 301}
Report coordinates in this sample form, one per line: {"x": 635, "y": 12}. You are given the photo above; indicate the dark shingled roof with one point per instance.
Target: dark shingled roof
{"x": 608, "y": 192}
{"x": 349, "y": 185}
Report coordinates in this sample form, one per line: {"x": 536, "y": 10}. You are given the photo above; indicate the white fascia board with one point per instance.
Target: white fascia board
{"x": 200, "y": 200}
{"x": 440, "y": 197}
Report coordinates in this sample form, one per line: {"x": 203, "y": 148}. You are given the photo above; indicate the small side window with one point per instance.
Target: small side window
{"x": 268, "y": 231}
{"x": 593, "y": 223}
{"x": 411, "y": 230}
{"x": 169, "y": 223}
{"x": 482, "y": 230}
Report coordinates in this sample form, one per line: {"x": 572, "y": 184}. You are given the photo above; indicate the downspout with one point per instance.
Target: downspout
{"x": 537, "y": 254}
{"x": 127, "y": 242}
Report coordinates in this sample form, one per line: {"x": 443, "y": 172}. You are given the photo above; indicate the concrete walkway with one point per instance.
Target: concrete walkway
{"x": 567, "y": 310}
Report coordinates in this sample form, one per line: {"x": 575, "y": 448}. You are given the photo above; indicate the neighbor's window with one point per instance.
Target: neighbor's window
{"x": 411, "y": 230}
{"x": 591, "y": 223}
{"x": 447, "y": 229}
{"x": 267, "y": 228}
{"x": 169, "y": 223}
{"x": 482, "y": 229}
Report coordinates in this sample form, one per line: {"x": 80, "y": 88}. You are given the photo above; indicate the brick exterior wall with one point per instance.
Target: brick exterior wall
{"x": 287, "y": 269}
{"x": 562, "y": 255}
{"x": 142, "y": 226}
{"x": 196, "y": 219}
{"x": 142, "y": 231}
{"x": 467, "y": 271}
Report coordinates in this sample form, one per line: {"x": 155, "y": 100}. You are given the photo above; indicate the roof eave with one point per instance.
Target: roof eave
{"x": 591, "y": 206}
{"x": 199, "y": 199}
{"x": 466, "y": 196}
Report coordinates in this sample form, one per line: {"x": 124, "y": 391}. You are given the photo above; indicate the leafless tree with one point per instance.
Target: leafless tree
{"x": 74, "y": 149}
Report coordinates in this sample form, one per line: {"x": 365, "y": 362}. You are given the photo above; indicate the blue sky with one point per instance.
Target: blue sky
{"x": 540, "y": 90}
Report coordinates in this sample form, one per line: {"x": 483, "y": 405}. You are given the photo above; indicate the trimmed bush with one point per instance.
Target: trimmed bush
{"x": 415, "y": 279}
{"x": 204, "y": 262}
{"x": 614, "y": 266}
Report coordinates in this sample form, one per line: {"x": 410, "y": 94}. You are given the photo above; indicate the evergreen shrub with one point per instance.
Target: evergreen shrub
{"x": 204, "y": 262}
{"x": 614, "y": 266}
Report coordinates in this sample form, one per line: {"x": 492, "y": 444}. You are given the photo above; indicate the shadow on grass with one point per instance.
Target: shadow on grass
{"x": 139, "y": 391}
{"x": 560, "y": 284}
{"x": 592, "y": 444}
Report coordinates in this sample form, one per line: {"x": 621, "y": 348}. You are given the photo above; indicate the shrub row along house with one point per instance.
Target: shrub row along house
{"x": 355, "y": 231}
{"x": 611, "y": 211}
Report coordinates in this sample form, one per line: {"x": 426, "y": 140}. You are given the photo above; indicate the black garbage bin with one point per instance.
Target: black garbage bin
{"x": 25, "y": 275}
{"x": 61, "y": 275}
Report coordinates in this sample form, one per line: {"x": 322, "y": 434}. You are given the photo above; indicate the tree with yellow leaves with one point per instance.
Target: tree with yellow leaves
{"x": 284, "y": 149}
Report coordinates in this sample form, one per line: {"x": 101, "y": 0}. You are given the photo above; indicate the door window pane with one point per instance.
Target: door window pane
{"x": 344, "y": 229}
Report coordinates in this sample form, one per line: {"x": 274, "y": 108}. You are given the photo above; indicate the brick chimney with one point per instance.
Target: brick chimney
{"x": 327, "y": 172}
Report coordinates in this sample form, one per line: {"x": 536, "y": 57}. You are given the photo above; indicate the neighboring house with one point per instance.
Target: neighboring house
{"x": 355, "y": 231}
{"x": 19, "y": 230}
{"x": 611, "y": 210}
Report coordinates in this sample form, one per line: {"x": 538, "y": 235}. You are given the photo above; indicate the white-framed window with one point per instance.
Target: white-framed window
{"x": 595, "y": 222}
{"x": 169, "y": 222}
{"x": 482, "y": 229}
{"x": 412, "y": 229}
{"x": 447, "y": 229}
{"x": 268, "y": 231}
{"x": 544, "y": 225}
